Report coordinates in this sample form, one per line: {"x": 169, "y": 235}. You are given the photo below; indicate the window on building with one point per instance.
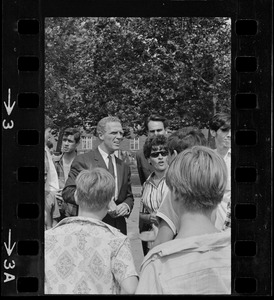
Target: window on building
{"x": 134, "y": 144}
{"x": 86, "y": 142}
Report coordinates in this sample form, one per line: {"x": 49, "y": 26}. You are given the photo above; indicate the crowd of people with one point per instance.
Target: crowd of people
{"x": 184, "y": 218}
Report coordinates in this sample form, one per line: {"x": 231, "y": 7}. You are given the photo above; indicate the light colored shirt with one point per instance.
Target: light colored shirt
{"x": 167, "y": 213}
{"x": 152, "y": 194}
{"x": 86, "y": 256}
{"x": 222, "y": 209}
{"x": 194, "y": 265}
{"x": 51, "y": 207}
{"x": 66, "y": 168}
{"x": 106, "y": 160}
{"x": 52, "y": 182}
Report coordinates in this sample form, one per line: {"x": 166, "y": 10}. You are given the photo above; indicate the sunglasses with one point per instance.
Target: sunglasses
{"x": 225, "y": 129}
{"x": 156, "y": 154}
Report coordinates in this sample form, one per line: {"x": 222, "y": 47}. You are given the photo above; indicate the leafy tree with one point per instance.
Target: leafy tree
{"x": 132, "y": 67}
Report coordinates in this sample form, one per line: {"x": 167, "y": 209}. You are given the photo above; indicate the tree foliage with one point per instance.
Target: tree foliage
{"x": 132, "y": 67}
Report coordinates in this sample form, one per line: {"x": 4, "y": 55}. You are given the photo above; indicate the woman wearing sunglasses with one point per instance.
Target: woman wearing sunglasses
{"x": 154, "y": 189}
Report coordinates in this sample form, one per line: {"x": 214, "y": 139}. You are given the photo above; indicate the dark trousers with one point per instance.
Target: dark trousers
{"x": 145, "y": 248}
{"x": 119, "y": 223}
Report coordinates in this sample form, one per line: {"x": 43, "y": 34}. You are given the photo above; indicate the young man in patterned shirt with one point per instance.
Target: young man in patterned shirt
{"x": 83, "y": 254}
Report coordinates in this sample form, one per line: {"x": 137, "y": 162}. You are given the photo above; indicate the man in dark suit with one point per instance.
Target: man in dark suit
{"x": 154, "y": 125}
{"x": 110, "y": 132}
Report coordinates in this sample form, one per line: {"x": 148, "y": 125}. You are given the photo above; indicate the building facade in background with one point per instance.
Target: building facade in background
{"x": 132, "y": 145}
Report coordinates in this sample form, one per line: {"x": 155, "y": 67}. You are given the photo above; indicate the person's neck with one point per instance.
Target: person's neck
{"x": 192, "y": 224}
{"x": 69, "y": 156}
{"x": 158, "y": 175}
{"x": 222, "y": 150}
{"x": 98, "y": 215}
{"x": 105, "y": 149}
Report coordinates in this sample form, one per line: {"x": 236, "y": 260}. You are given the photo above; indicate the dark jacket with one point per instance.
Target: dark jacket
{"x": 93, "y": 159}
{"x": 143, "y": 166}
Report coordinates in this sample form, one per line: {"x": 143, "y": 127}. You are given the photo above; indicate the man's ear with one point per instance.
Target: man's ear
{"x": 101, "y": 136}
{"x": 175, "y": 153}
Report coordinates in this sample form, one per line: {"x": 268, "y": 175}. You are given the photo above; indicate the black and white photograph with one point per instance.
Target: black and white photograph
{"x": 132, "y": 96}
{"x": 137, "y": 147}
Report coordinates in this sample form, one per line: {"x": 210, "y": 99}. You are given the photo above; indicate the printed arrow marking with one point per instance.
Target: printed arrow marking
{"x": 8, "y": 248}
{"x": 8, "y": 107}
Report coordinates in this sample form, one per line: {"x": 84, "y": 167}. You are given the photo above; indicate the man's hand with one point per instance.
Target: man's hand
{"x": 112, "y": 213}
{"x": 112, "y": 208}
{"x": 122, "y": 210}
{"x": 60, "y": 199}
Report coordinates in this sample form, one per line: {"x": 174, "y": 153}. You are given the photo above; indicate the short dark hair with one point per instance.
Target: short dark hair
{"x": 49, "y": 144}
{"x": 154, "y": 142}
{"x": 220, "y": 120}
{"x": 73, "y": 131}
{"x": 155, "y": 118}
{"x": 181, "y": 140}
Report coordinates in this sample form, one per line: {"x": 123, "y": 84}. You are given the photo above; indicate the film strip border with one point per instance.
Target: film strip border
{"x": 252, "y": 152}
{"x": 23, "y": 135}
{"x": 22, "y": 154}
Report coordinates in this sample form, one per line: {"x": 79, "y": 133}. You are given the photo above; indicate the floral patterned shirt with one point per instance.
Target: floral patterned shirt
{"x": 86, "y": 256}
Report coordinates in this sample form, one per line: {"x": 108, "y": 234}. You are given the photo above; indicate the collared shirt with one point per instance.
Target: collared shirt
{"x": 59, "y": 165}
{"x": 194, "y": 265}
{"x": 52, "y": 183}
{"x": 67, "y": 209}
{"x": 106, "y": 160}
{"x": 86, "y": 256}
{"x": 51, "y": 207}
{"x": 222, "y": 209}
{"x": 153, "y": 195}
{"x": 168, "y": 214}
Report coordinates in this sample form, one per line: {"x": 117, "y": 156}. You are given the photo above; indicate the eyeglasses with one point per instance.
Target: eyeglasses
{"x": 156, "y": 154}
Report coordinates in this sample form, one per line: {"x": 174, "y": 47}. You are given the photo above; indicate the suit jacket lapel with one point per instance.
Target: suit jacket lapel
{"x": 99, "y": 161}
